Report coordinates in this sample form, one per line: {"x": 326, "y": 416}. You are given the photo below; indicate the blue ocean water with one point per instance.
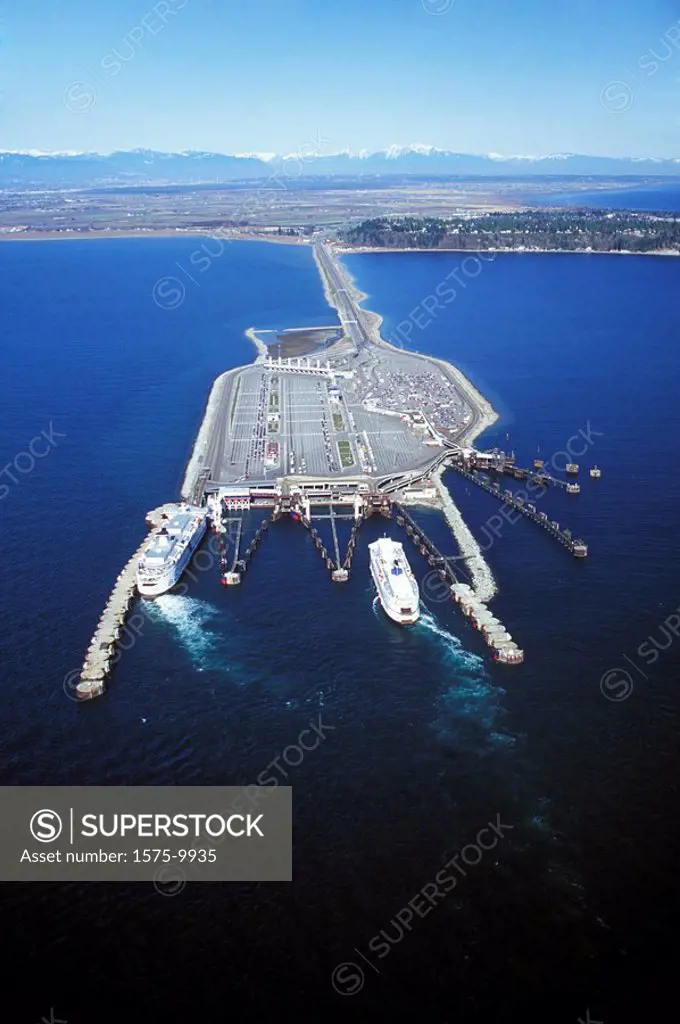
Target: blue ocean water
{"x": 426, "y": 741}
{"x": 656, "y": 198}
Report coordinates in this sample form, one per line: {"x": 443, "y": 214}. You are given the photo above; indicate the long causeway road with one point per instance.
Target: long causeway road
{"x": 351, "y": 318}
{"x": 374, "y": 433}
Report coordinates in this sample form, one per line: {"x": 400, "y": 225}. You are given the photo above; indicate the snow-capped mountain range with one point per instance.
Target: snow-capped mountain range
{"x": 33, "y": 168}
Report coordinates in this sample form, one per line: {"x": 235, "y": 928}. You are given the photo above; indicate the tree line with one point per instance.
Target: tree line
{"x": 598, "y": 230}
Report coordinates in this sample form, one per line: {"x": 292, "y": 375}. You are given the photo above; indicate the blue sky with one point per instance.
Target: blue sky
{"x": 504, "y": 76}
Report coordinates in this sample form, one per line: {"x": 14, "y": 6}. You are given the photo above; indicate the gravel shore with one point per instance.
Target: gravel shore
{"x": 486, "y": 415}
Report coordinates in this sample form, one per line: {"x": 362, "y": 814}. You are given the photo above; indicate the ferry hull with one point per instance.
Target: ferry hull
{"x": 400, "y": 603}
{"x": 401, "y": 620}
{"x": 170, "y": 578}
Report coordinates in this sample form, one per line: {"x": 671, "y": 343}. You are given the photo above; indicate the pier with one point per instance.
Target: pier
{"x": 497, "y": 461}
{"x": 577, "y": 547}
{"x": 481, "y": 576}
{"x": 504, "y": 648}
{"x": 303, "y": 505}
{"x": 230, "y": 576}
{"x": 101, "y": 653}
{"x": 426, "y": 547}
{"x": 301, "y": 510}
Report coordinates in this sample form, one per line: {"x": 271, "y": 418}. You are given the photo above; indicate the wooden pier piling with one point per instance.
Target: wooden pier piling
{"x": 578, "y": 548}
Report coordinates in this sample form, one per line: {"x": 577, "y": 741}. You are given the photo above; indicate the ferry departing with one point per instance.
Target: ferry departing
{"x": 163, "y": 563}
{"x": 396, "y": 584}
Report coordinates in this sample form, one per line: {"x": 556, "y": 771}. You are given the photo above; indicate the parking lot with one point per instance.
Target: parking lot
{"x": 320, "y": 429}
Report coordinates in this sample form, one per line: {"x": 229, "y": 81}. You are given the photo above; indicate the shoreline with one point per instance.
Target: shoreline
{"x": 372, "y": 322}
{"x": 475, "y": 399}
{"x": 200, "y": 446}
{"x": 481, "y": 575}
{"x": 194, "y": 232}
{"x": 56, "y": 236}
{"x": 358, "y": 250}
{"x": 262, "y": 349}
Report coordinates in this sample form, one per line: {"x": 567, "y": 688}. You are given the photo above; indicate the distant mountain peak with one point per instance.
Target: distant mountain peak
{"x": 393, "y": 152}
{"x": 33, "y": 168}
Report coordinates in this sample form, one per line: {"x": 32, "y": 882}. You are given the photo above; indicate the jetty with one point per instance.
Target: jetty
{"x": 480, "y": 571}
{"x": 472, "y": 600}
{"x": 577, "y": 547}
{"x": 504, "y": 648}
{"x": 230, "y": 575}
{"x": 101, "y": 654}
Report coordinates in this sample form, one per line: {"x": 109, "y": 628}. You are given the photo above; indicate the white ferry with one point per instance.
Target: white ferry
{"x": 165, "y": 560}
{"x": 396, "y": 584}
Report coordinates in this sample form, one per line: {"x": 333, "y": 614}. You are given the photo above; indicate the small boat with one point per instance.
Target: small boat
{"x": 596, "y": 473}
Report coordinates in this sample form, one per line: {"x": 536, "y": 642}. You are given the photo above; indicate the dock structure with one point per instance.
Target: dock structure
{"x": 298, "y": 499}
{"x": 497, "y": 461}
{"x": 539, "y": 477}
{"x": 577, "y": 547}
{"x": 339, "y": 573}
{"x": 233, "y": 576}
{"x": 481, "y": 576}
{"x": 301, "y": 510}
{"x": 102, "y": 650}
{"x": 426, "y": 547}
{"x": 504, "y": 648}
{"x": 230, "y": 576}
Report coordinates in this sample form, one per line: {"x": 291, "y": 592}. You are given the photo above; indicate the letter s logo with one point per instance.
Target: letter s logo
{"x": 46, "y": 826}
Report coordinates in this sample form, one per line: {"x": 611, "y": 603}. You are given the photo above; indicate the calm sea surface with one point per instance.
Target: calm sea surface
{"x": 660, "y": 198}
{"x": 427, "y": 740}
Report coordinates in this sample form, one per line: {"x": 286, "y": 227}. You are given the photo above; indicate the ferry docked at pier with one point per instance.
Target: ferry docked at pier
{"x": 396, "y": 584}
{"x": 165, "y": 560}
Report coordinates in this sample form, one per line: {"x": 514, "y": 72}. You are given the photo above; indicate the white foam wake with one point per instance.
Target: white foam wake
{"x": 188, "y": 618}
{"x": 452, "y": 644}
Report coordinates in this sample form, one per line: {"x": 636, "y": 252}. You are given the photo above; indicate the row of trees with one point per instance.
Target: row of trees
{"x": 579, "y": 229}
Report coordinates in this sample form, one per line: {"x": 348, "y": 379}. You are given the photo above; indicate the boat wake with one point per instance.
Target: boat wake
{"x": 452, "y": 644}
{"x": 470, "y": 707}
{"x": 468, "y": 726}
{"x": 190, "y": 619}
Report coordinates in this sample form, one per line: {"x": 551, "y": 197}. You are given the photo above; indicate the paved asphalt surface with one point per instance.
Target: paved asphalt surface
{"x": 238, "y": 437}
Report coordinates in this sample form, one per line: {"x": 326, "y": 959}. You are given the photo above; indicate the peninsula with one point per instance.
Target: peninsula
{"x": 553, "y": 230}
{"x": 355, "y": 408}
{"x": 353, "y": 424}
